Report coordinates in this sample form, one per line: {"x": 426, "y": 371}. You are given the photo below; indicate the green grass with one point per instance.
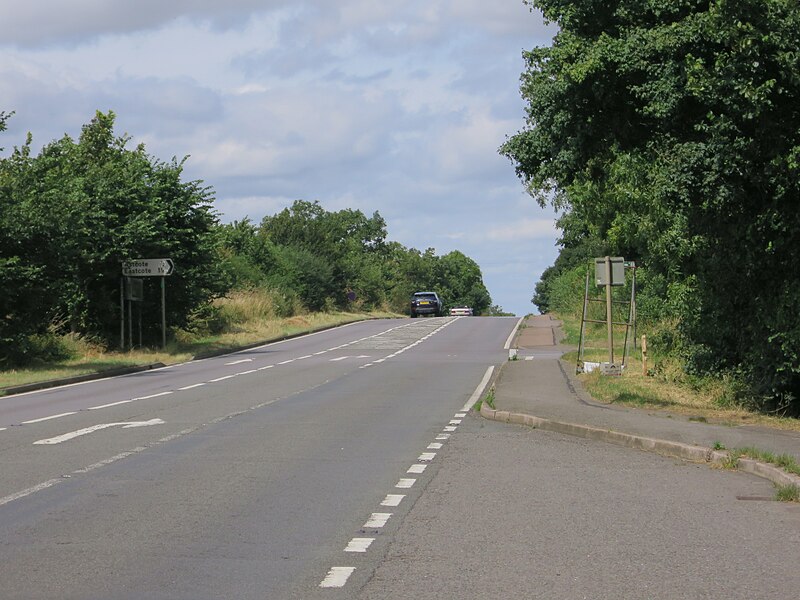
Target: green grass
{"x": 787, "y": 493}
{"x": 786, "y": 462}
{"x": 488, "y": 399}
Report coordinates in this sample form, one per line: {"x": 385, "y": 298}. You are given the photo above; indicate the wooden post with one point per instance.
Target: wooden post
{"x": 609, "y": 313}
{"x": 644, "y": 355}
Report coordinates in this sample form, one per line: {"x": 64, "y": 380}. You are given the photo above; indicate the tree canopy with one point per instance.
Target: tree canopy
{"x": 669, "y": 132}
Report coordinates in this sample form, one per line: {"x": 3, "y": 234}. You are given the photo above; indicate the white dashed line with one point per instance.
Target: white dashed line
{"x": 221, "y": 378}
{"x": 339, "y": 358}
{"x": 32, "y": 421}
{"x": 337, "y": 577}
{"x": 377, "y": 519}
{"x": 417, "y": 469}
{"x": 238, "y": 362}
{"x": 455, "y": 421}
{"x": 110, "y": 405}
{"x": 435, "y": 446}
{"x": 247, "y": 372}
{"x": 392, "y": 500}
{"x": 460, "y": 415}
{"x": 405, "y": 483}
{"x": 29, "y": 491}
{"x": 359, "y": 544}
{"x": 189, "y": 387}
{"x": 427, "y": 456}
{"x": 305, "y": 357}
{"x": 267, "y": 367}
{"x": 443, "y": 436}
{"x": 153, "y": 395}
{"x": 286, "y": 362}
{"x": 450, "y": 428}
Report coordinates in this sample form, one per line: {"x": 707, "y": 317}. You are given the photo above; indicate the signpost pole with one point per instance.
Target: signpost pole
{"x": 163, "y": 315}
{"x": 608, "y": 312}
{"x": 130, "y": 321}
{"x": 122, "y": 313}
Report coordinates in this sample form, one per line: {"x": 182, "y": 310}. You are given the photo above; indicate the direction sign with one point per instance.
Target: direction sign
{"x": 148, "y": 267}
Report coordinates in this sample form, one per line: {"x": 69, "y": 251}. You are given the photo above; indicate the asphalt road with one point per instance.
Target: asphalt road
{"x": 243, "y": 476}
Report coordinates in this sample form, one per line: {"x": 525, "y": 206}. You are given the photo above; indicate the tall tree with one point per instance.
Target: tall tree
{"x": 671, "y": 129}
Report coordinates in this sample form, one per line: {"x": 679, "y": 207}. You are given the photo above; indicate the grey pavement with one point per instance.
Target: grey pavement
{"x": 546, "y": 387}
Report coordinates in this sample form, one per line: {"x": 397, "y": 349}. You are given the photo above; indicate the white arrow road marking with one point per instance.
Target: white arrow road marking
{"x": 74, "y": 434}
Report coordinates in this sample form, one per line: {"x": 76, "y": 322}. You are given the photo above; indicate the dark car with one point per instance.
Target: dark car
{"x": 425, "y": 303}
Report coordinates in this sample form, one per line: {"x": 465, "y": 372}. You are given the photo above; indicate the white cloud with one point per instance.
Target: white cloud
{"x": 395, "y": 107}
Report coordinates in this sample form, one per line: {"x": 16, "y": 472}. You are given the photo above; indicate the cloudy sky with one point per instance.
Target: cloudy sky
{"x": 395, "y": 107}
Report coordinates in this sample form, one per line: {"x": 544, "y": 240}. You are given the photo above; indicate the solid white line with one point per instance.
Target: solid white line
{"x": 110, "y": 405}
{"x": 478, "y": 390}
{"x": 47, "y": 418}
{"x": 152, "y": 396}
{"x": 377, "y": 519}
{"x": 392, "y": 500}
{"x": 221, "y": 378}
{"x": 435, "y": 446}
{"x": 189, "y": 387}
{"x": 337, "y": 577}
{"x": 427, "y": 456}
{"x": 359, "y": 544}
{"x": 405, "y": 483}
{"x": 238, "y": 362}
{"x": 417, "y": 469}
{"x": 513, "y": 332}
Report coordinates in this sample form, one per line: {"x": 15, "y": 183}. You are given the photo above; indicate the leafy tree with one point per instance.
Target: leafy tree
{"x": 78, "y": 209}
{"x": 670, "y": 131}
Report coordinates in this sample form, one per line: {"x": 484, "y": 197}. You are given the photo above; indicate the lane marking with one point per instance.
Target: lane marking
{"x": 377, "y": 520}
{"x": 392, "y": 500}
{"x": 305, "y": 357}
{"x": 247, "y": 372}
{"x": 73, "y": 434}
{"x": 427, "y": 456}
{"x": 478, "y": 390}
{"x": 265, "y": 368}
{"x": 238, "y": 362}
{"x": 337, "y": 577}
{"x": 29, "y": 491}
{"x": 48, "y": 418}
{"x": 435, "y": 446}
{"x": 460, "y": 415}
{"x": 359, "y": 544}
{"x": 338, "y": 359}
{"x": 455, "y": 421}
{"x": 405, "y": 483}
{"x": 152, "y": 396}
{"x": 110, "y": 405}
{"x": 189, "y": 387}
{"x": 286, "y": 362}
{"x": 320, "y": 352}
{"x": 417, "y": 469}
{"x": 443, "y": 436}
{"x": 450, "y": 428}
{"x": 221, "y": 378}
{"x": 507, "y": 345}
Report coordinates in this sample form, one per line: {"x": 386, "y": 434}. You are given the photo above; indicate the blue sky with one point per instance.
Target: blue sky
{"x": 394, "y": 107}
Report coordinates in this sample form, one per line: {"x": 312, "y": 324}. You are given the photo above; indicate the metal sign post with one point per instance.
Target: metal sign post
{"x": 150, "y": 267}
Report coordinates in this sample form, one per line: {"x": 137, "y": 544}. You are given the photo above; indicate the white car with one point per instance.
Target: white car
{"x": 461, "y": 311}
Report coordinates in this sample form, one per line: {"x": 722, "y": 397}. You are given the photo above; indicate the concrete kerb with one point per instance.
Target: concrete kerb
{"x": 668, "y": 448}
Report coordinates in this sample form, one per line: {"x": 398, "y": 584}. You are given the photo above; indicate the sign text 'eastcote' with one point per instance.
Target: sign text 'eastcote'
{"x": 148, "y": 267}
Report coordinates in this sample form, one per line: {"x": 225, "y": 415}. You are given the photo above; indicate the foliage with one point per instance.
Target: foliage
{"x": 669, "y": 133}
{"x": 73, "y": 213}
